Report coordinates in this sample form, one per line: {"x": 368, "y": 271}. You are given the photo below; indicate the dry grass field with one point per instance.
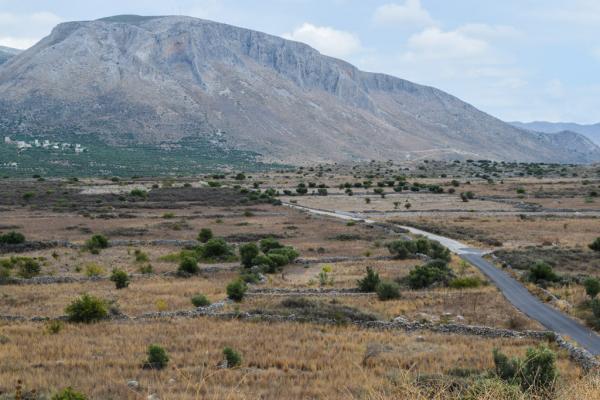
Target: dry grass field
{"x": 148, "y": 222}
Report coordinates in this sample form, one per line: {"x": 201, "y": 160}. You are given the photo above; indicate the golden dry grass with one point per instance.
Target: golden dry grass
{"x": 279, "y": 360}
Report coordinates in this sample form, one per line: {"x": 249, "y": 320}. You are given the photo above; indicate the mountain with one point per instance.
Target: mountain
{"x": 7, "y": 53}
{"x": 159, "y": 80}
{"x": 592, "y": 132}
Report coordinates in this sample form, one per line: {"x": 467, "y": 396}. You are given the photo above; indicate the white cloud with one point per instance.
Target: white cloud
{"x": 574, "y": 11}
{"x": 327, "y": 40}
{"x": 24, "y": 30}
{"x": 410, "y": 13}
{"x": 17, "y": 43}
{"x": 435, "y": 44}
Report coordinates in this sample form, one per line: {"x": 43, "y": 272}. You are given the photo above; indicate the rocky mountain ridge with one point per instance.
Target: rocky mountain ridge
{"x": 157, "y": 80}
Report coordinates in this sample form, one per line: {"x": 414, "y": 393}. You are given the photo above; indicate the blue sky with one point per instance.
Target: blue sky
{"x": 516, "y": 59}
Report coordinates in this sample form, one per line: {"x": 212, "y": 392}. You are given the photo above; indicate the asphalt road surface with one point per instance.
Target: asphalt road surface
{"x": 515, "y": 293}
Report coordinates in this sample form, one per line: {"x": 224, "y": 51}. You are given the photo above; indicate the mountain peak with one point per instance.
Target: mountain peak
{"x": 157, "y": 80}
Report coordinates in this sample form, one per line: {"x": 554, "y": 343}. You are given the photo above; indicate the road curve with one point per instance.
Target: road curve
{"x": 515, "y": 293}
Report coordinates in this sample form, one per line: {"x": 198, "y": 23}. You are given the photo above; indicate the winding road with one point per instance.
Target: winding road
{"x": 515, "y": 293}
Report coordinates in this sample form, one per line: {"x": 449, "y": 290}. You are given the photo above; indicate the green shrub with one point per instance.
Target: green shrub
{"x": 93, "y": 269}
{"x": 248, "y": 252}
{"x": 539, "y": 369}
{"x": 236, "y": 290}
{"x": 68, "y": 394}
{"x": 279, "y": 260}
{"x": 265, "y": 262}
{"x": 535, "y": 373}
{"x": 157, "y": 357}
{"x": 28, "y": 267}
{"x": 402, "y": 249}
{"x": 233, "y": 358}
{"x": 189, "y": 265}
{"x": 439, "y": 252}
{"x": 542, "y": 272}
{"x": 369, "y": 282}
{"x": 87, "y": 309}
{"x": 592, "y": 287}
{"x": 205, "y": 235}
{"x": 388, "y": 290}
{"x": 120, "y": 278}
{"x": 595, "y": 245}
{"x": 433, "y": 272}
{"x": 96, "y": 243}
{"x": 140, "y": 256}
{"x": 12, "y": 237}
{"x": 139, "y": 193}
{"x": 200, "y": 300}
{"x": 465, "y": 282}
{"x": 215, "y": 248}
{"x": 268, "y": 244}
{"x": 289, "y": 252}
{"x": 146, "y": 269}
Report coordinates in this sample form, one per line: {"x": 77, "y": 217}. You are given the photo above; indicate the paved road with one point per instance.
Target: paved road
{"x": 516, "y": 293}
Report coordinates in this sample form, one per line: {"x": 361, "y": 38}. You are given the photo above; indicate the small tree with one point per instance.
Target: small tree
{"x": 157, "y": 357}
{"x": 205, "y": 235}
{"x": 120, "y": 278}
{"x": 592, "y": 287}
{"x": 236, "y": 290}
{"x": 87, "y": 309}
{"x": 595, "y": 245}
{"x": 189, "y": 265}
{"x": 233, "y": 358}
{"x": 215, "y": 248}
{"x": 248, "y": 252}
{"x": 539, "y": 369}
{"x": 369, "y": 282}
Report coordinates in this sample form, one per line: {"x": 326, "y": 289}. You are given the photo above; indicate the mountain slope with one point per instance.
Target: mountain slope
{"x": 7, "y": 53}
{"x": 156, "y": 80}
{"x": 592, "y": 132}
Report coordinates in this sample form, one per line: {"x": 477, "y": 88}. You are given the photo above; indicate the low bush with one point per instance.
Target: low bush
{"x": 189, "y": 265}
{"x": 269, "y": 244}
{"x": 388, "y": 290}
{"x": 205, "y": 235}
{"x": 465, "y": 282}
{"x": 535, "y": 373}
{"x": 236, "y": 290}
{"x": 28, "y": 267}
{"x": 157, "y": 357}
{"x": 12, "y": 237}
{"x": 424, "y": 276}
{"x": 541, "y": 272}
{"x": 216, "y": 248}
{"x": 200, "y": 300}
{"x": 248, "y": 253}
{"x": 369, "y": 282}
{"x": 595, "y": 245}
{"x": 87, "y": 309}
{"x": 592, "y": 287}
{"x": 68, "y": 394}
{"x": 233, "y": 358}
{"x": 96, "y": 243}
{"x": 120, "y": 278}
{"x": 92, "y": 269}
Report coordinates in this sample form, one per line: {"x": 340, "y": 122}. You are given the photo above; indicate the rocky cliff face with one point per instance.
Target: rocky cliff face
{"x": 160, "y": 79}
{"x": 7, "y": 53}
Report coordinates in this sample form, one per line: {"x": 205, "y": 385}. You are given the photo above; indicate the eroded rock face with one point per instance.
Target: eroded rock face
{"x": 161, "y": 79}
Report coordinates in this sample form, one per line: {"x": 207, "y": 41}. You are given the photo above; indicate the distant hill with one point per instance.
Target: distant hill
{"x": 592, "y": 132}
{"x": 7, "y": 53}
{"x": 155, "y": 81}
